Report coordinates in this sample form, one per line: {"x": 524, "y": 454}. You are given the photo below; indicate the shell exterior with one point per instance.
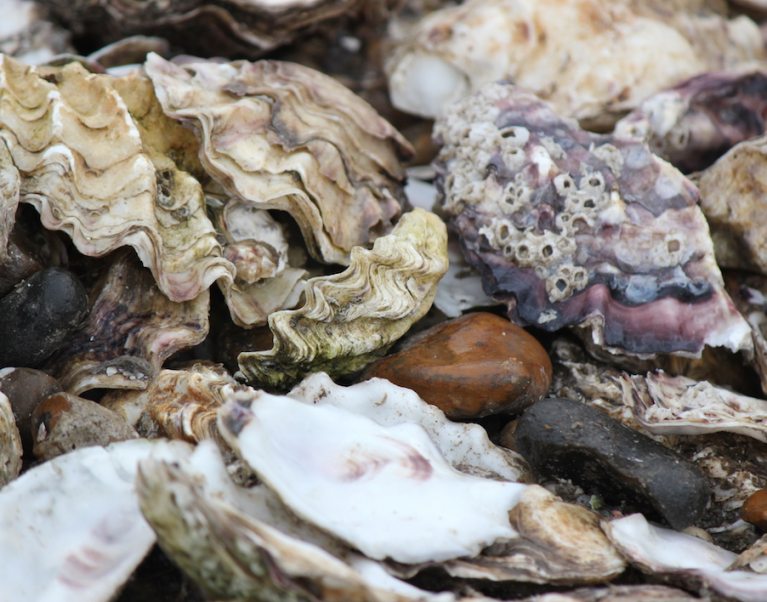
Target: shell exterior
{"x": 351, "y": 318}
{"x": 10, "y": 443}
{"x": 695, "y": 122}
{"x": 749, "y": 292}
{"x": 678, "y": 405}
{"x": 282, "y": 136}
{"x": 640, "y": 47}
{"x": 465, "y": 445}
{"x": 87, "y": 499}
{"x": 330, "y": 464}
{"x": 28, "y": 35}
{"x": 132, "y": 328}
{"x": 9, "y": 200}
{"x": 242, "y": 544}
{"x": 85, "y": 168}
{"x": 679, "y": 557}
{"x": 178, "y": 404}
{"x": 571, "y": 228}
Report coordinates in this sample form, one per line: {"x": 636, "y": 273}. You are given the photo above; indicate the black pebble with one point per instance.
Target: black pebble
{"x": 570, "y": 440}
{"x": 38, "y": 315}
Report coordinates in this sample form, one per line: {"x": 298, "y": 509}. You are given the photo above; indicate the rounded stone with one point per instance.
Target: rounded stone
{"x": 754, "y": 509}
{"x": 476, "y": 365}
{"x": 38, "y": 315}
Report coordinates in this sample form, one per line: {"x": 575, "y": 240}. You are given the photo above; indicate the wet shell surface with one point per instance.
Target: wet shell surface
{"x": 571, "y": 228}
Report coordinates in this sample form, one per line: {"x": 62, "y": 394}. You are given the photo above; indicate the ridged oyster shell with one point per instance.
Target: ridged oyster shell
{"x": 573, "y": 228}
{"x": 351, "y": 318}
{"x": 282, "y": 136}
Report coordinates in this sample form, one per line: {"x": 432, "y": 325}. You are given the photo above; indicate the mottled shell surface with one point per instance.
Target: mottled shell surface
{"x": 27, "y": 34}
{"x": 573, "y": 228}
{"x": 351, "y": 318}
{"x": 282, "y": 136}
{"x": 10, "y": 443}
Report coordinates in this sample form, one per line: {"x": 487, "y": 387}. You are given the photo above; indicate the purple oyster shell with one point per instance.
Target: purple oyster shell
{"x": 572, "y": 228}
{"x": 697, "y": 121}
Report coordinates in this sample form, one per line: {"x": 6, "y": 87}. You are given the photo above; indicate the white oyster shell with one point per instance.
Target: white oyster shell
{"x": 681, "y": 557}
{"x": 10, "y": 443}
{"x": 386, "y": 490}
{"x": 72, "y": 528}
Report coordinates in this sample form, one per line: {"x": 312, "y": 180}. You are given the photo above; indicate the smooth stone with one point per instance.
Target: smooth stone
{"x": 25, "y": 389}
{"x": 754, "y": 509}
{"x": 476, "y": 365}
{"x": 63, "y": 422}
{"x": 38, "y": 315}
{"x": 570, "y": 440}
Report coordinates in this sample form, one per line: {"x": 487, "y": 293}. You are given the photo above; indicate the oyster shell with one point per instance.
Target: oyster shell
{"x": 749, "y": 292}
{"x": 330, "y": 464}
{"x": 85, "y": 168}
{"x": 72, "y": 528}
{"x": 697, "y": 121}
{"x": 132, "y": 328}
{"x": 28, "y": 35}
{"x": 571, "y": 228}
{"x": 242, "y": 544}
{"x": 351, "y": 318}
{"x": 282, "y": 136}
{"x": 679, "y": 557}
{"x": 10, "y": 443}
{"x": 640, "y": 48}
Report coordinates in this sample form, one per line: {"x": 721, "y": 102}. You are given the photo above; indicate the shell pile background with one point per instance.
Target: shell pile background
{"x": 222, "y": 222}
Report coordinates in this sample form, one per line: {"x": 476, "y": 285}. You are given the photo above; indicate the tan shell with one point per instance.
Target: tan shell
{"x": 352, "y": 317}
{"x": 10, "y": 443}
{"x": 85, "y": 167}
{"x": 132, "y": 328}
{"x": 551, "y": 47}
{"x": 283, "y": 136}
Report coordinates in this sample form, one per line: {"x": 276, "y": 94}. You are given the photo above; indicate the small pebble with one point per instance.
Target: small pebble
{"x": 25, "y": 389}
{"x": 570, "y": 440}
{"x": 754, "y": 509}
{"x": 476, "y": 365}
{"x": 38, "y": 315}
{"x": 64, "y": 422}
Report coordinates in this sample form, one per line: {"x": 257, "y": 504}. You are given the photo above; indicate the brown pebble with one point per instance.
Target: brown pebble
{"x": 754, "y": 509}
{"x": 473, "y": 366}
{"x": 63, "y": 422}
{"x": 25, "y": 389}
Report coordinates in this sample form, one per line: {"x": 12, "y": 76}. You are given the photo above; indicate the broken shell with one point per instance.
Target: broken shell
{"x": 242, "y": 544}
{"x": 351, "y": 318}
{"x": 131, "y": 330}
{"x": 347, "y": 460}
{"x": 85, "y": 167}
{"x": 682, "y": 558}
{"x": 697, "y": 121}
{"x": 10, "y": 443}
{"x": 571, "y": 228}
{"x": 640, "y": 48}
{"x": 87, "y": 499}
{"x": 282, "y": 136}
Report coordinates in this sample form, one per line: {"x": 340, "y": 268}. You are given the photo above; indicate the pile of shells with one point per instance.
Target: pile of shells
{"x": 383, "y": 301}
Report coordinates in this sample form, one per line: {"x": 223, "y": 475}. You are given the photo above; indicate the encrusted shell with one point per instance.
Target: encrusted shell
{"x": 552, "y": 47}
{"x": 571, "y": 228}
{"x": 282, "y": 136}
{"x": 85, "y": 167}
{"x": 352, "y": 317}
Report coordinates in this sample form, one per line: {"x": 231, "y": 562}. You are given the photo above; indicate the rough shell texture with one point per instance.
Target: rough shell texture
{"x": 640, "y": 48}
{"x": 363, "y": 482}
{"x": 694, "y": 123}
{"x": 242, "y": 544}
{"x": 221, "y": 28}
{"x": 352, "y": 317}
{"x": 132, "y": 328}
{"x": 178, "y": 404}
{"x": 749, "y": 292}
{"x": 683, "y": 558}
{"x": 283, "y": 136}
{"x": 10, "y": 443}
{"x": 556, "y": 543}
{"x": 572, "y": 228}
{"x": 27, "y": 35}
{"x": 85, "y": 168}
{"x": 732, "y": 198}
{"x": 73, "y": 531}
